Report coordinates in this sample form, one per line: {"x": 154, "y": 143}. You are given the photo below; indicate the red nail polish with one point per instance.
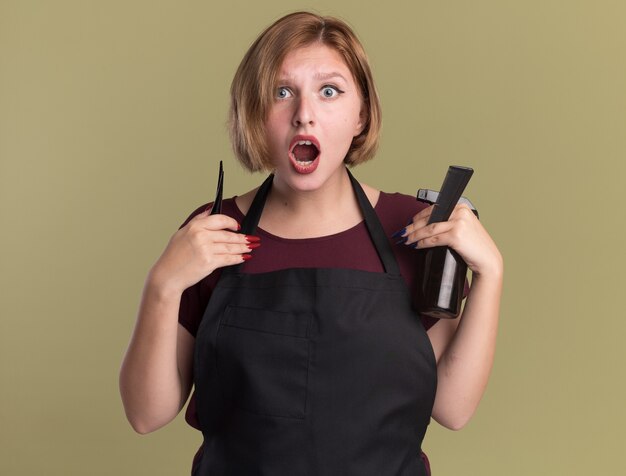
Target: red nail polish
{"x": 253, "y": 246}
{"x": 238, "y": 227}
{"x": 246, "y": 257}
{"x": 252, "y": 239}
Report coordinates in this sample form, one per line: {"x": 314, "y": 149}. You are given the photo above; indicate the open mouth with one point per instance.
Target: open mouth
{"x": 304, "y": 153}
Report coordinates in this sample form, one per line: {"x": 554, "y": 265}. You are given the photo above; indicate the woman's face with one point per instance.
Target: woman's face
{"x": 317, "y": 110}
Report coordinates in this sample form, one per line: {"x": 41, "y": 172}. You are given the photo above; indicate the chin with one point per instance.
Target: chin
{"x": 307, "y": 183}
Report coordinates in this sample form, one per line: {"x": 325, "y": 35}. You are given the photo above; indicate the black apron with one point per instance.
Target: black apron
{"x": 316, "y": 371}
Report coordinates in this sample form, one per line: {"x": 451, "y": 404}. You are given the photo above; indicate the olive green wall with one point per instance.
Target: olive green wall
{"x": 111, "y": 125}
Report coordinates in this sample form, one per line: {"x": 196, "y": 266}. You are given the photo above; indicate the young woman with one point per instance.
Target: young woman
{"x": 290, "y": 312}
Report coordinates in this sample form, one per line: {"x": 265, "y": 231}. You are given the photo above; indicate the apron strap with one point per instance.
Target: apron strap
{"x": 251, "y": 220}
{"x": 376, "y": 230}
{"x": 374, "y": 227}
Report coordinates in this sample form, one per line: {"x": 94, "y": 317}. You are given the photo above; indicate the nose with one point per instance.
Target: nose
{"x": 304, "y": 113}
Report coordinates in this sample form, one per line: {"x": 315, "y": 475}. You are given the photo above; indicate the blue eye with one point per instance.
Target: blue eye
{"x": 283, "y": 93}
{"x": 330, "y": 91}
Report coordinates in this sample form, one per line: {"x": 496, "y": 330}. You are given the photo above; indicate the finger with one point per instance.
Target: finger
{"x": 461, "y": 212}
{"x": 231, "y": 260}
{"x": 418, "y": 223}
{"x": 441, "y": 239}
{"x": 217, "y": 222}
{"x": 429, "y": 231}
{"x": 424, "y": 213}
{"x": 233, "y": 249}
{"x": 417, "y": 220}
{"x": 225, "y": 236}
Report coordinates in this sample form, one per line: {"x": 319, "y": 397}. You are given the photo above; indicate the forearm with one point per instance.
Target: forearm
{"x": 150, "y": 382}
{"x": 464, "y": 367}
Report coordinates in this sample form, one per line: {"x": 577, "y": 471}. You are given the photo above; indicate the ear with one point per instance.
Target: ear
{"x": 360, "y": 125}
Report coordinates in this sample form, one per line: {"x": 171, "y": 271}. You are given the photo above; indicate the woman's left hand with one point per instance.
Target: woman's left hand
{"x": 463, "y": 232}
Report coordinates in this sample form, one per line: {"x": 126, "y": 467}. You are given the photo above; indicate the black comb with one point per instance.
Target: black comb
{"x": 451, "y": 190}
{"x": 217, "y": 203}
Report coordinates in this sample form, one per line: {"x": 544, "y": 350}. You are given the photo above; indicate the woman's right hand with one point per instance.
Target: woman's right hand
{"x": 205, "y": 243}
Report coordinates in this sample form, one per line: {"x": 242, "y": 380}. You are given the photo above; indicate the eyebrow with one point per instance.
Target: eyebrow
{"x": 318, "y": 76}
{"x": 325, "y": 76}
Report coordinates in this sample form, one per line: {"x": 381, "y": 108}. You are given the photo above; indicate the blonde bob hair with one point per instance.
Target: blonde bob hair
{"x": 253, "y": 88}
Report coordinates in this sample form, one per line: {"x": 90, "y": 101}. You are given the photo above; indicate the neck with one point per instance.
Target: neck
{"x": 336, "y": 190}
{"x": 300, "y": 214}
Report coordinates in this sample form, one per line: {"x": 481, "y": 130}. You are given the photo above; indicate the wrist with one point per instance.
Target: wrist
{"x": 161, "y": 287}
{"x": 493, "y": 271}
{"x": 491, "y": 277}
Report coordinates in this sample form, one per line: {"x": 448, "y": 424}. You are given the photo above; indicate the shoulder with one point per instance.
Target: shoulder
{"x": 393, "y": 201}
{"x": 394, "y": 210}
{"x": 372, "y": 193}
{"x": 243, "y": 202}
{"x": 388, "y": 202}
